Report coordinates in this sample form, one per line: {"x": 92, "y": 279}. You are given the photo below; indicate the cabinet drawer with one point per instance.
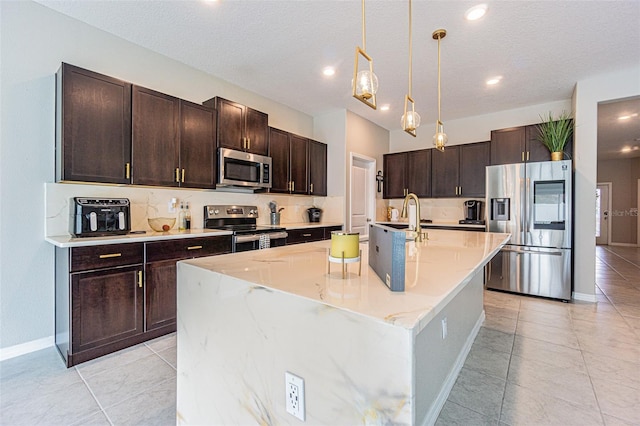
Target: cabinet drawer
{"x": 306, "y": 235}
{"x": 188, "y": 248}
{"x": 329, "y": 229}
{"x": 106, "y": 256}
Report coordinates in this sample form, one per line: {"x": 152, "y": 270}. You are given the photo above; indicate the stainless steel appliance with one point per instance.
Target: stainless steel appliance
{"x": 99, "y": 217}
{"x": 532, "y": 202}
{"x": 473, "y": 212}
{"x": 247, "y": 235}
{"x": 243, "y": 169}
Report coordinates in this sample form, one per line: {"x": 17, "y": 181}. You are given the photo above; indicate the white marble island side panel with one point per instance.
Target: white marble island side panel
{"x": 367, "y": 355}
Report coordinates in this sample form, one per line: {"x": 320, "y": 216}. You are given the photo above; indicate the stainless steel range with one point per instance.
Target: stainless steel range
{"x": 247, "y": 235}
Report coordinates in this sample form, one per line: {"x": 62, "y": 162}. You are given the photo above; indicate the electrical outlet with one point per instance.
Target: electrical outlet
{"x": 294, "y": 395}
{"x": 444, "y": 328}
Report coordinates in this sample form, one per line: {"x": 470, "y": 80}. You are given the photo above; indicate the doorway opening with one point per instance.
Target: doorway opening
{"x": 362, "y": 195}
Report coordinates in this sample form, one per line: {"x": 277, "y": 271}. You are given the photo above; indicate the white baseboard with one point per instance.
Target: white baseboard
{"x": 25, "y": 348}
{"x": 584, "y": 297}
{"x": 434, "y": 412}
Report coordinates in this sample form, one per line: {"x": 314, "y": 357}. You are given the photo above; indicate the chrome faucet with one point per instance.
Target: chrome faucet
{"x": 404, "y": 213}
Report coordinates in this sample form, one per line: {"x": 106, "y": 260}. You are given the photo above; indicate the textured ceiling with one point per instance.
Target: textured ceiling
{"x": 277, "y": 48}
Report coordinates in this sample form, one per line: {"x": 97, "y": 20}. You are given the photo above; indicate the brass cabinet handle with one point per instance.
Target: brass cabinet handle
{"x": 248, "y": 143}
{"x": 140, "y": 279}
{"x": 182, "y": 175}
{"x": 127, "y": 170}
{"x": 194, "y": 247}
{"x": 293, "y": 186}
{"x": 306, "y": 235}
{"x": 522, "y": 156}
{"x": 527, "y": 155}
{"x": 110, "y": 255}
{"x": 311, "y": 188}
{"x": 177, "y": 175}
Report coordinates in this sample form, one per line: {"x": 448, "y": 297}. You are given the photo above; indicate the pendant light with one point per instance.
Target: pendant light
{"x": 440, "y": 138}
{"x": 365, "y": 82}
{"x": 410, "y": 118}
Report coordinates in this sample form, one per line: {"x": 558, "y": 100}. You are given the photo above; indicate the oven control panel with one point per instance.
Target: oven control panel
{"x": 227, "y": 211}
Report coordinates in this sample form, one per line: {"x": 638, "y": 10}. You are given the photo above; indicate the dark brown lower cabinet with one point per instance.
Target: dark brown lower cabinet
{"x": 106, "y": 307}
{"x": 160, "y": 297}
{"x": 113, "y": 296}
{"x": 308, "y": 235}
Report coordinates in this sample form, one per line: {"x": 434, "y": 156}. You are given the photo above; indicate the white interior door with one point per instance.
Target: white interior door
{"x": 362, "y": 197}
{"x": 602, "y": 213}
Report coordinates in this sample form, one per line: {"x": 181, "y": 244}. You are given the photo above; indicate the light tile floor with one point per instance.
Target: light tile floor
{"x": 534, "y": 362}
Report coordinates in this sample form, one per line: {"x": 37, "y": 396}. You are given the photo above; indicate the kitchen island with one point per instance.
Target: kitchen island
{"x": 366, "y": 354}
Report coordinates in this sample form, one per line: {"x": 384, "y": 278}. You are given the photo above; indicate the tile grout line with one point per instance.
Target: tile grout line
{"x": 160, "y": 356}
{"x": 94, "y": 395}
{"x": 506, "y": 379}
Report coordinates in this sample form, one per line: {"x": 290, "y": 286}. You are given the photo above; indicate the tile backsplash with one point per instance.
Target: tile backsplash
{"x": 436, "y": 209}
{"x": 154, "y": 202}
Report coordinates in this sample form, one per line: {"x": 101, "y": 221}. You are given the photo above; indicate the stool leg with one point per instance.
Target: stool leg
{"x": 343, "y": 266}
{"x": 360, "y": 264}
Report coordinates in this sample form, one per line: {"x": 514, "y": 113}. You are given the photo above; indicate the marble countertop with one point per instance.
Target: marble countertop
{"x": 436, "y": 270}
{"x": 65, "y": 241}
{"x": 70, "y": 241}
{"x": 433, "y": 224}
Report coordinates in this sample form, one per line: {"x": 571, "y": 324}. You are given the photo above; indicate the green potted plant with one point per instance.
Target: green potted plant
{"x": 554, "y": 133}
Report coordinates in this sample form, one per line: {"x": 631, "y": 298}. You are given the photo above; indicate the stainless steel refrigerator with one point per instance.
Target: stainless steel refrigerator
{"x": 532, "y": 202}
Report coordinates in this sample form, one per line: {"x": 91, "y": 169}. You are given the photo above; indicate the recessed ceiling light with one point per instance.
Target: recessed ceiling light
{"x": 476, "y": 12}
{"x": 329, "y": 71}
{"x": 384, "y": 107}
{"x": 494, "y": 80}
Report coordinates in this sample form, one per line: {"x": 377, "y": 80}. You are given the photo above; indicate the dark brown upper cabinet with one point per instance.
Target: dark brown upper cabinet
{"x": 93, "y": 119}
{"x": 240, "y": 127}
{"x": 289, "y": 154}
{"x": 520, "y": 145}
{"x": 459, "y": 171}
{"x": 406, "y": 172}
{"x": 173, "y": 141}
{"x": 155, "y": 138}
{"x": 197, "y": 146}
{"x": 317, "y": 168}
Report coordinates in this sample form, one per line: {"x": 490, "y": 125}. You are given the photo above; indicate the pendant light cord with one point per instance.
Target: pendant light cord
{"x": 364, "y": 27}
{"x": 410, "y": 52}
{"x": 439, "y": 121}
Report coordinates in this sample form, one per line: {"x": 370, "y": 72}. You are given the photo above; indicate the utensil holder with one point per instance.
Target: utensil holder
{"x": 275, "y": 218}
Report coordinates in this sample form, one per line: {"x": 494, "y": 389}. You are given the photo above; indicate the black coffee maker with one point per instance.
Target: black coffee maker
{"x": 473, "y": 212}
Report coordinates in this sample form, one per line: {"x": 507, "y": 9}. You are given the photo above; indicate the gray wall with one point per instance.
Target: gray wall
{"x": 623, "y": 175}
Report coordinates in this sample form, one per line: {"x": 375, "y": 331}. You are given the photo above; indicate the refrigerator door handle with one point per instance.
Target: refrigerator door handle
{"x": 525, "y": 251}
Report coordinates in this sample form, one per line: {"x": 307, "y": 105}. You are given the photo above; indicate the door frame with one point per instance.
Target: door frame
{"x": 371, "y": 184}
{"x": 608, "y": 208}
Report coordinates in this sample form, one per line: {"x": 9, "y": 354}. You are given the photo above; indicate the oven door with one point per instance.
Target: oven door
{"x": 238, "y": 168}
{"x": 248, "y": 242}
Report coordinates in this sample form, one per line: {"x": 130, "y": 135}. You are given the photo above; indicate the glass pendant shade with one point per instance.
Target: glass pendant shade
{"x": 366, "y": 84}
{"x": 410, "y": 121}
{"x": 440, "y": 139}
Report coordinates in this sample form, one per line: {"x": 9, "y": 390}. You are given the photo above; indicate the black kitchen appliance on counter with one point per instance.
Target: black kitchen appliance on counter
{"x": 473, "y": 213}
{"x": 100, "y": 217}
{"x": 315, "y": 214}
{"x": 247, "y": 235}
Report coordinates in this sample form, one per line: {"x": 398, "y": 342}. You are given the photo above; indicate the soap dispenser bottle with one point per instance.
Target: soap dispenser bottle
{"x": 181, "y": 218}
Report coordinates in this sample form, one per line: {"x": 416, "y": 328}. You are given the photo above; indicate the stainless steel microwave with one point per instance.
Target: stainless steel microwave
{"x": 243, "y": 169}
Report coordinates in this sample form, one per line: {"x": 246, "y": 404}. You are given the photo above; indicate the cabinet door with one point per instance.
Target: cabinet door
{"x": 106, "y": 306}
{"x": 160, "y": 294}
{"x": 279, "y": 153}
{"x": 317, "y": 168}
{"x": 231, "y": 123}
{"x": 94, "y": 119}
{"x": 474, "y": 157}
{"x": 419, "y": 172}
{"x": 197, "y": 146}
{"x": 508, "y": 146}
{"x": 395, "y": 169}
{"x": 445, "y": 172}
{"x": 257, "y": 131}
{"x": 155, "y": 138}
{"x": 299, "y": 157}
